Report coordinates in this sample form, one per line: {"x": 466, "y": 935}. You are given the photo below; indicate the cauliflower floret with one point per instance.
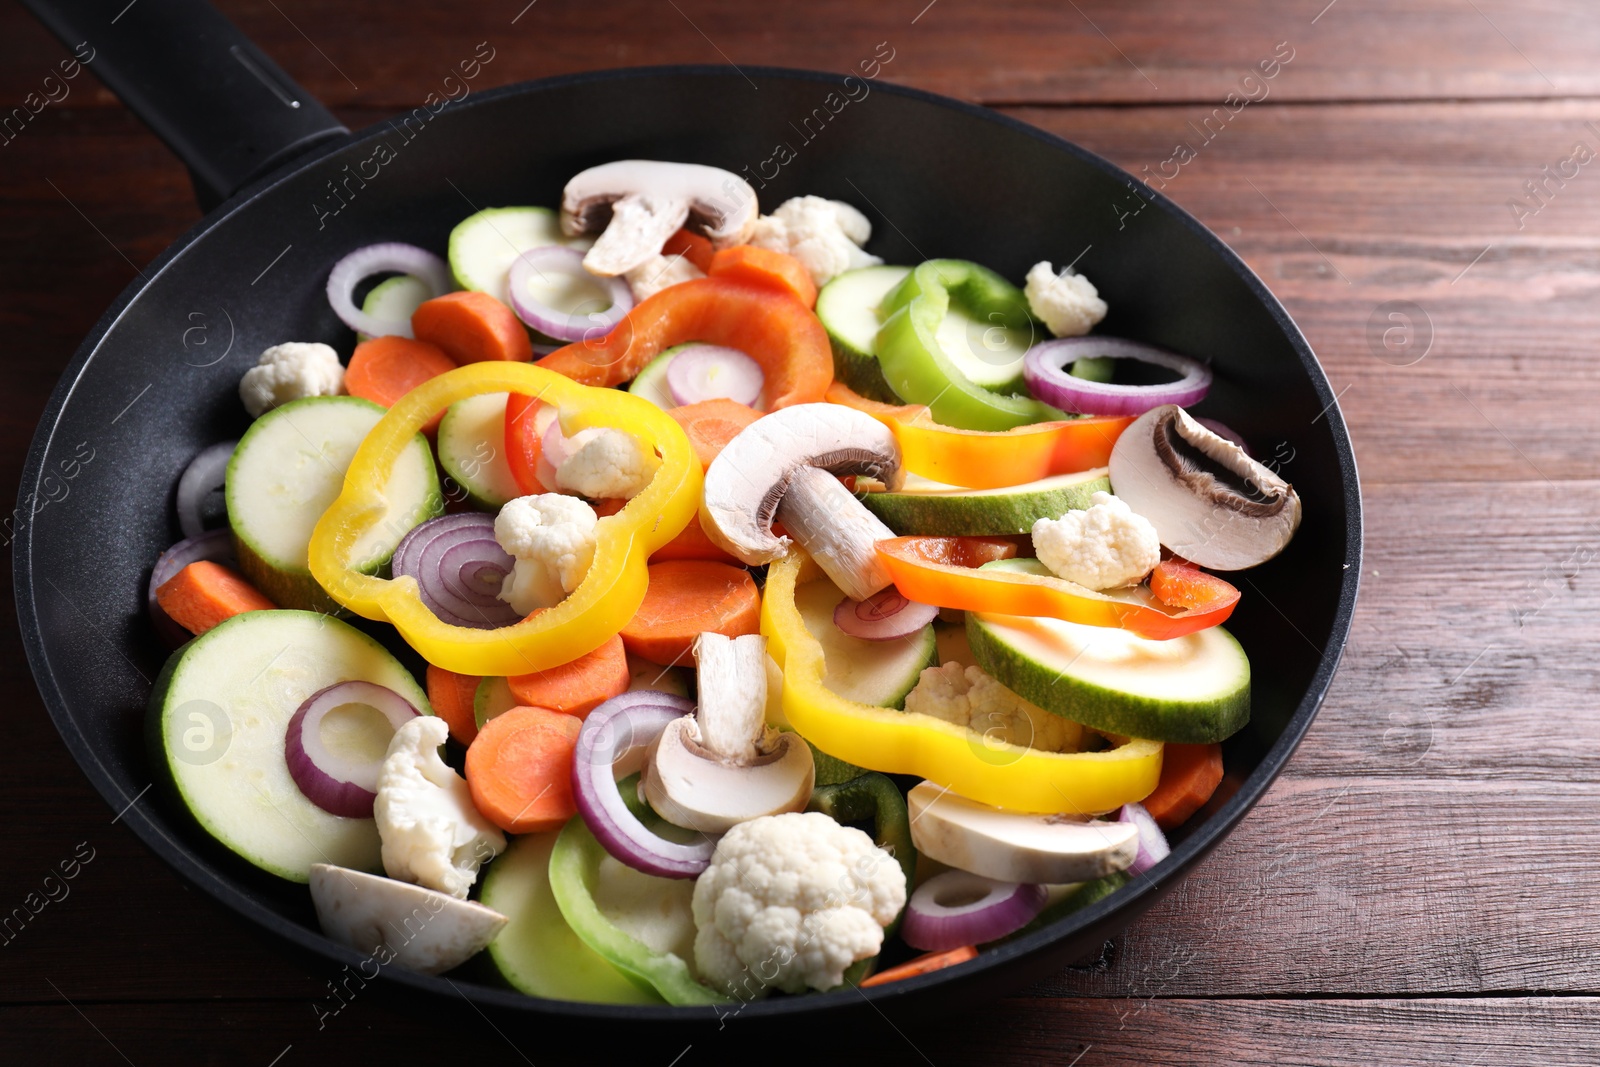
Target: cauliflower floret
{"x": 973, "y": 698}
{"x": 1105, "y": 546}
{"x": 291, "y": 372}
{"x": 824, "y": 235}
{"x": 607, "y": 464}
{"x": 656, "y": 273}
{"x": 791, "y": 901}
{"x": 431, "y": 832}
{"x": 1067, "y": 303}
{"x": 552, "y": 539}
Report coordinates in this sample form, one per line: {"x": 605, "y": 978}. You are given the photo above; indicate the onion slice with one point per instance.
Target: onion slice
{"x": 204, "y": 475}
{"x": 1153, "y": 847}
{"x": 884, "y": 616}
{"x": 334, "y": 782}
{"x": 459, "y": 568}
{"x": 714, "y": 372}
{"x": 553, "y": 322}
{"x": 957, "y": 908}
{"x": 376, "y": 259}
{"x": 1045, "y": 370}
{"x": 213, "y": 545}
{"x": 620, "y": 730}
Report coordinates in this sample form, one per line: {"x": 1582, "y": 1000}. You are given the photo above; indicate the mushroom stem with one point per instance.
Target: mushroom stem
{"x": 837, "y": 530}
{"x": 732, "y": 675}
{"x": 640, "y": 225}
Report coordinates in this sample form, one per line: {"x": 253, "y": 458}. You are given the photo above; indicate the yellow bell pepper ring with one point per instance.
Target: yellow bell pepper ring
{"x": 972, "y": 765}
{"x": 609, "y": 594}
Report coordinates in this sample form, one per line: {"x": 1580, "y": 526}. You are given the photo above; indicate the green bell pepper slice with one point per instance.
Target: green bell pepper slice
{"x": 576, "y": 878}
{"x": 919, "y": 370}
{"x": 873, "y": 797}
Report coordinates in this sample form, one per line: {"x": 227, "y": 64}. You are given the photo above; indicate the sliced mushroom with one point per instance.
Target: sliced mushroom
{"x": 724, "y": 765}
{"x": 1208, "y": 500}
{"x": 782, "y": 466}
{"x": 639, "y": 203}
{"x": 1014, "y": 846}
{"x": 412, "y": 926}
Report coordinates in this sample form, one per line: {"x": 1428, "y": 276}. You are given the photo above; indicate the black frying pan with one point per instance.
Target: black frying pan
{"x": 293, "y": 191}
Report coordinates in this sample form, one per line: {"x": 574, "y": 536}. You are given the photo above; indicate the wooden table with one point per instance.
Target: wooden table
{"x": 1419, "y": 887}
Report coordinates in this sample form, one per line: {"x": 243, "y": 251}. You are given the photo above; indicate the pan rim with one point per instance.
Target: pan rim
{"x": 188, "y": 863}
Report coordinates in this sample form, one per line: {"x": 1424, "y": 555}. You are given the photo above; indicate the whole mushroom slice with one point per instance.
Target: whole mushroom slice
{"x": 1014, "y": 846}
{"x": 418, "y": 928}
{"x": 724, "y": 765}
{"x": 1208, "y": 500}
{"x": 639, "y": 203}
{"x": 783, "y": 466}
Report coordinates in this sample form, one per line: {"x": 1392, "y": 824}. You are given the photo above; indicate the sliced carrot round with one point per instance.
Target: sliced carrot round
{"x": 520, "y": 769}
{"x": 711, "y": 424}
{"x": 686, "y": 598}
{"x": 579, "y": 687}
{"x": 451, "y": 695}
{"x": 385, "y": 369}
{"x": 766, "y": 268}
{"x": 472, "y": 327}
{"x": 1189, "y": 775}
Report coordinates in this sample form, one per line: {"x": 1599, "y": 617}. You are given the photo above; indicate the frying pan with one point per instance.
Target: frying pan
{"x": 290, "y": 191}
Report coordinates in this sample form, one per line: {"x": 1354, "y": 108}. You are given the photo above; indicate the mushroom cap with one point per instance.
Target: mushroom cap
{"x": 422, "y": 929}
{"x": 1014, "y": 846}
{"x": 690, "y": 787}
{"x": 745, "y": 483}
{"x": 1209, "y": 502}
{"x": 722, "y": 205}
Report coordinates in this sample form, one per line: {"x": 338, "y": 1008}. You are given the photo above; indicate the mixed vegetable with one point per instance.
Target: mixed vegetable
{"x": 705, "y": 523}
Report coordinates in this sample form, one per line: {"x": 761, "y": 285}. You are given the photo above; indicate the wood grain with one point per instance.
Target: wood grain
{"x": 1025, "y": 51}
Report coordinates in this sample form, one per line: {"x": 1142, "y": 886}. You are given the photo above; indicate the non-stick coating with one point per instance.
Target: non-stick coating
{"x": 157, "y": 380}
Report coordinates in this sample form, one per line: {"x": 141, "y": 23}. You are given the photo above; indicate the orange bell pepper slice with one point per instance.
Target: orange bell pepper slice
{"x": 777, "y": 331}
{"x": 935, "y": 570}
{"x": 979, "y": 459}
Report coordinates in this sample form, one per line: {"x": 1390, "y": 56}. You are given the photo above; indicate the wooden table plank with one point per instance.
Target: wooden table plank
{"x": 1026, "y": 51}
{"x": 1020, "y": 1031}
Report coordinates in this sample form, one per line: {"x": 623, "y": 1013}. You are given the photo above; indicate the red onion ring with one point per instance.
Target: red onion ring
{"x": 205, "y": 473}
{"x": 884, "y": 616}
{"x": 374, "y": 259}
{"x": 1045, "y": 370}
{"x": 1153, "y": 847}
{"x": 454, "y": 559}
{"x": 213, "y": 545}
{"x": 338, "y": 785}
{"x": 990, "y": 910}
{"x": 712, "y": 372}
{"x": 625, "y": 726}
{"x": 553, "y": 322}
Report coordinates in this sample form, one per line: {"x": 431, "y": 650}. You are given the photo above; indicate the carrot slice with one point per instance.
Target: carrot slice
{"x": 519, "y": 769}
{"x": 764, "y": 267}
{"x": 472, "y": 327}
{"x": 1189, "y": 775}
{"x": 711, "y": 424}
{"x": 451, "y": 695}
{"x": 779, "y": 333}
{"x": 692, "y": 543}
{"x": 205, "y": 593}
{"x": 933, "y": 961}
{"x": 385, "y": 369}
{"x": 688, "y": 597}
{"x": 690, "y": 246}
{"x": 579, "y": 687}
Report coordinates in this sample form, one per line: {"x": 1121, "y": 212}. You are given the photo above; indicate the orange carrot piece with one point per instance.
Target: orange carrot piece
{"x": 766, "y": 268}
{"x": 472, "y": 327}
{"x": 933, "y": 961}
{"x": 1189, "y": 775}
{"x": 711, "y": 424}
{"x": 452, "y": 695}
{"x": 690, "y": 246}
{"x": 692, "y": 543}
{"x": 519, "y": 769}
{"x": 205, "y": 593}
{"x": 576, "y": 688}
{"x": 385, "y": 369}
{"x": 688, "y": 597}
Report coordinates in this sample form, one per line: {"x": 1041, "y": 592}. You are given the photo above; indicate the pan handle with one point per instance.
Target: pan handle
{"x": 225, "y": 109}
